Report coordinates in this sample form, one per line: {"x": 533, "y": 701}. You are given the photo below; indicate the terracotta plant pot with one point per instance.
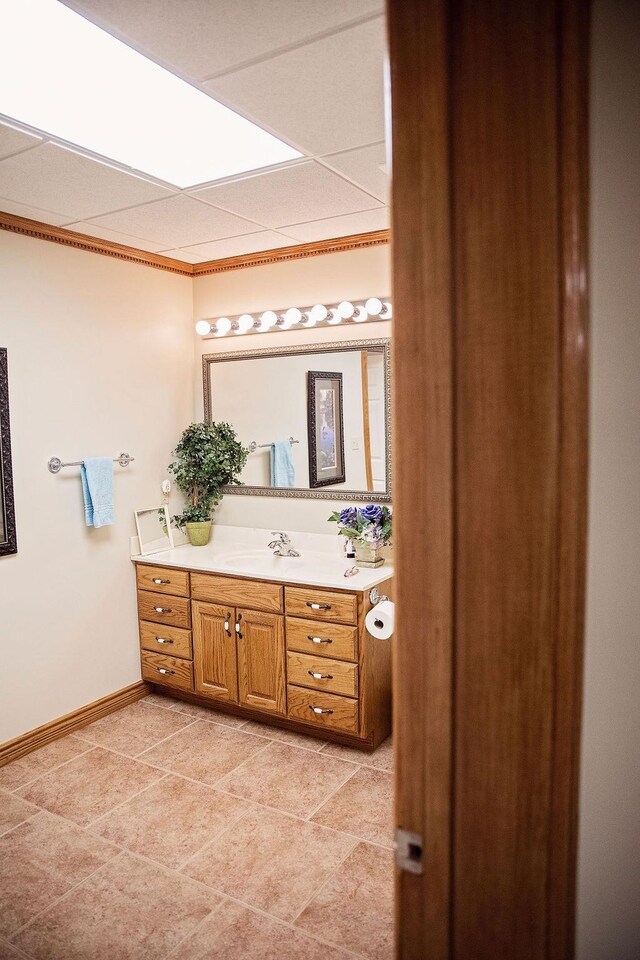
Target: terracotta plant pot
{"x": 368, "y": 555}
{"x": 199, "y": 533}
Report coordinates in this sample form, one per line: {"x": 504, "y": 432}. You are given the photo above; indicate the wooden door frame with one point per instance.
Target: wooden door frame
{"x": 445, "y": 912}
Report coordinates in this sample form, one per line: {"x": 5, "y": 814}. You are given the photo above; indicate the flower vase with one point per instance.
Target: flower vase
{"x": 368, "y": 555}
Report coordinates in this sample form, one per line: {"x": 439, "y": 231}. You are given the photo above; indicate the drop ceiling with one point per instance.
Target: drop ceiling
{"x": 311, "y": 73}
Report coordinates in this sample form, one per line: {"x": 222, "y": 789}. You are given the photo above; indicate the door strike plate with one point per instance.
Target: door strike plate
{"x": 409, "y": 847}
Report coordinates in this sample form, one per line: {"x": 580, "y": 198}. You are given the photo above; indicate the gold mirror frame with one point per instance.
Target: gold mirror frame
{"x": 346, "y": 346}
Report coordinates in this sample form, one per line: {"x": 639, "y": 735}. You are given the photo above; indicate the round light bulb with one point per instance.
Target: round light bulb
{"x": 334, "y": 317}
{"x": 360, "y": 314}
{"x": 308, "y": 319}
{"x": 203, "y": 327}
{"x": 223, "y": 325}
{"x": 268, "y": 320}
{"x": 291, "y": 316}
{"x": 318, "y": 313}
{"x": 373, "y": 306}
{"x": 387, "y": 311}
{"x": 346, "y": 309}
{"x": 245, "y": 322}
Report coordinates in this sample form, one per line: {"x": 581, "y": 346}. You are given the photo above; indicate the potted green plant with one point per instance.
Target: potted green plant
{"x": 369, "y": 528}
{"x": 208, "y": 457}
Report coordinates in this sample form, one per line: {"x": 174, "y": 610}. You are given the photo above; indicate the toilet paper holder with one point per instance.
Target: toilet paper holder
{"x": 376, "y": 597}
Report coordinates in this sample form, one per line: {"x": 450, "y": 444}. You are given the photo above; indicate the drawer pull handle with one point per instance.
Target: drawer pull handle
{"x": 164, "y": 670}
{"x": 318, "y": 606}
{"x": 239, "y": 618}
{"x": 163, "y": 609}
{"x": 318, "y": 709}
{"x": 313, "y": 639}
{"x": 320, "y": 676}
{"x": 158, "y": 580}
{"x": 226, "y": 624}
{"x": 163, "y": 640}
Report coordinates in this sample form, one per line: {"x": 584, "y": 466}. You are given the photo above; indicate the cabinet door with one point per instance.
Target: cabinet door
{"x": 261, "y": 660}
{"x": 214, "y": 651}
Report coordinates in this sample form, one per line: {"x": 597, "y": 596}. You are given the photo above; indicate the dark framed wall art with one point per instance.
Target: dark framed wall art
{"x": 8, "y": 542}
{"x": 325, "y": 426}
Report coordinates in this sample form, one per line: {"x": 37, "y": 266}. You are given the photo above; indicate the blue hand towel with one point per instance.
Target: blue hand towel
{"x": 283, "y": 472}
{"x": 97, "y": 490}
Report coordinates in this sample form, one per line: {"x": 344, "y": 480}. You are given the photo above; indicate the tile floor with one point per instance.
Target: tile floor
{"x": 167, "y": 830}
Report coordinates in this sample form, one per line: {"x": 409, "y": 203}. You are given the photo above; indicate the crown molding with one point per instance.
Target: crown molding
{"x": 82, "y": 241}
{"x": 295, "y": 252}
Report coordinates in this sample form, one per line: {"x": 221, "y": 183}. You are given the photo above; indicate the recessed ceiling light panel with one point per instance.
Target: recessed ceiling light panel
{"x": 64, "y": 76}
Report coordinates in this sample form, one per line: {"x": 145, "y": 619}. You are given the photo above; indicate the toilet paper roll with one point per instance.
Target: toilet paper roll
{"x": 380, "y": 620}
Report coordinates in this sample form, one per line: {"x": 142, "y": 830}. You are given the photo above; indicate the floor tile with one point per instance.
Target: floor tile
{"x": 382, "y": 758}
{"x": 354, "y": 909}
{"x": 270, "y": 861}
{"x": 288, "y": 778}
{"x": 207, "y": 713}
{"x": 7, "y": 952}
{"x": 283, "y": 736}
{"x": 13, "y": 810}
{"x": 21, "y": 771}
{"x": 171, "y": 820}
{"x": 128, "y": 910}
{"x": 234, "y": 932}
{"x": 363, "y": 807}
{"x": 134, "y": 728}
{"x": 158, "y": 700}
{"x": 90, "y": 786}
{"x": 204, "y": 751}
{"x": 40, "y": 861}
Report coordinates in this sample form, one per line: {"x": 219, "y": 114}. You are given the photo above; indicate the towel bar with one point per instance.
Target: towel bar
{"x": 55, "y": 465}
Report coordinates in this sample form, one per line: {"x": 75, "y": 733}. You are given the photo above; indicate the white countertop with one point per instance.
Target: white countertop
{"x": 238, "y": 551}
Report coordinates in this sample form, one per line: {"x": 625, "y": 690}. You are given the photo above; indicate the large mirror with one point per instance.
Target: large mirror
{"x": 316, "y": 419}
{"x": 8, "y": 542}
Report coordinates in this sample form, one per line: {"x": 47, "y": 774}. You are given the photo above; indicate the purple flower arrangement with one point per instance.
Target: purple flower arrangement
{"x": 370, "y": 524}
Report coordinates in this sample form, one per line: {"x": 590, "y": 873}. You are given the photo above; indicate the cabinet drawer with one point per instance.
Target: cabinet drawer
{"x": 167, "y": 670}
{"x": 162, "y": 580}
{"x": 174, "y": 611}
{"x": 322, "y": 639}
{"x": 339, "y": 712}
{"x": 321, "y": 604}
{"x": 170, "y": 641}
{"x": 321, "y": 673}
{"x": 237, "y": 593}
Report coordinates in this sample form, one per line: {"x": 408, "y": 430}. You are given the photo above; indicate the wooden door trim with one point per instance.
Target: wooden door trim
{"x": 423, "y": 421}
{"x": 573, "y": 177}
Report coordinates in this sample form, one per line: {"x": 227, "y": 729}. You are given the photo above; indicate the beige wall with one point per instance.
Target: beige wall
{"x": 100, "y": 360}
{"x": 354, "y": 274}
{"x": 609, "y": 850}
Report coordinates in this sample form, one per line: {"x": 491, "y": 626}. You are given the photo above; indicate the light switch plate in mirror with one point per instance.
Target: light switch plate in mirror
{"x": 231, "y": 394}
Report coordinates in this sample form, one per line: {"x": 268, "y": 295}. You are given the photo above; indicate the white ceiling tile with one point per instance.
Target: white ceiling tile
{"x": 363, "y": 167}
{"x": 181, "y": 253}
{"x": 179, "y": 221}
{"x": 32, "y": 213}
{"x": 11, "y": 141}
{"x": 340, "y": 226}
{"x": 235, "y": 246}
{"x": 322, "y": 97}
{"x": 95, "y": 230}
{"x": 54, "y": 178}
{"x": 293, "y": 194}
{"x": 203, "y": 37}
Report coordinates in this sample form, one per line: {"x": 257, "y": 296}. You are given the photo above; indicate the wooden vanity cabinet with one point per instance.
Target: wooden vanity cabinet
{"x": 239, "y": 656}
{"x": 298, "y": 655}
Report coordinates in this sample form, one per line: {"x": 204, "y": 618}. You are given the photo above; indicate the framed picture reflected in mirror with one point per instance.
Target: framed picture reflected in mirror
{"x": 325, "y": 428}
{"x": 8, "y": 541}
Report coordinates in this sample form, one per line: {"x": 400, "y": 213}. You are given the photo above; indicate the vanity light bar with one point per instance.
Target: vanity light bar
{"x": 319, "y": 314}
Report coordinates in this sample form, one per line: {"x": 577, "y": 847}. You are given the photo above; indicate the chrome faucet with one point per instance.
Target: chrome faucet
{"x": 282, "y": 546}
